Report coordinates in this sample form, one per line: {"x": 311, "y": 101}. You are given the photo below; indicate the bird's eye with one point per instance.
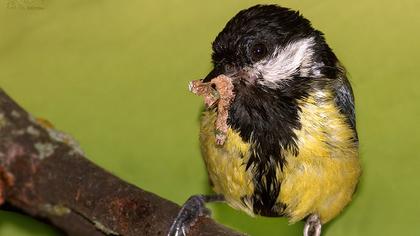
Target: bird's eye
{"x": 258, "y": 52}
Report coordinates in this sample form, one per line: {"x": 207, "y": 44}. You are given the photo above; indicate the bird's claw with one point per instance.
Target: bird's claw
{"x": 312, "y": 226}
{"x": 192, "y": 209}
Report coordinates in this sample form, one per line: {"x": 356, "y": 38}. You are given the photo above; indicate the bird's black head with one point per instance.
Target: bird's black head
{"x": 268, "y": 44}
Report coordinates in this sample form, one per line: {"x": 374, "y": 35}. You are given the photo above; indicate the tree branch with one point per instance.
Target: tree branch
{"x": 44, "y": 173}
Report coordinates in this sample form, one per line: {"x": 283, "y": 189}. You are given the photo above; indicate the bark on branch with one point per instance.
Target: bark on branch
{"x": 44, "y": 173}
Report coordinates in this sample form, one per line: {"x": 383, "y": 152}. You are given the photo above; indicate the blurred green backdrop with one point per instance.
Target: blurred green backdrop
{"x": 114, "y": 75}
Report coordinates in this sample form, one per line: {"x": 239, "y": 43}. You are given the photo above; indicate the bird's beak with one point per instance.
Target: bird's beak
{"x": 213, "y": 74}
{"x": 232, "y": 72}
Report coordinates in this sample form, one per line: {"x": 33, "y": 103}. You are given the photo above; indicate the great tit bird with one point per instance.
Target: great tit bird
{"x": 290, "y": 148}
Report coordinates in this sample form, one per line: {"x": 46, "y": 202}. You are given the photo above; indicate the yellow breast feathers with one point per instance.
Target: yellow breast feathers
{"x": 323, "y": 177}
{"x": 320, "y": 179}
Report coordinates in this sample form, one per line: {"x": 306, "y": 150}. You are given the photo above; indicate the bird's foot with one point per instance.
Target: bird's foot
{"x": 312, "y": 226}
{"x": 192, "y": 209}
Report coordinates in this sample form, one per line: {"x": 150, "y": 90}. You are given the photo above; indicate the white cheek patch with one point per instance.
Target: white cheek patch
{"x": 286, "y": 61}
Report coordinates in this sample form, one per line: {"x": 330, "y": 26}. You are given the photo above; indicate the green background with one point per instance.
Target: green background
{"x": 114, "y": 75}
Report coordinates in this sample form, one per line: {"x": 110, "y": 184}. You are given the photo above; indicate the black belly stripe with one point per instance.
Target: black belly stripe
{"x": 266, "y": 118}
